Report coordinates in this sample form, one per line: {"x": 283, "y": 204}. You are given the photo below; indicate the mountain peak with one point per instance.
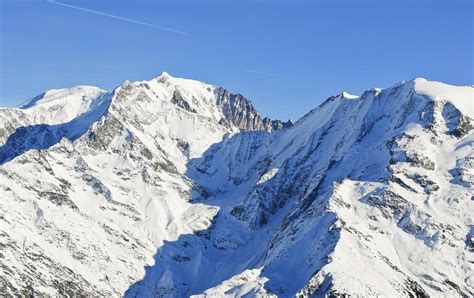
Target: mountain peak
{"x": 347, "y": 95}
{"x": 65, "y": 94}
{"x": 233, "y": 111}
{"x": 365, "y": 197}
{"x": 459, "y": 96}
{"x": 164, "y": 76}
{"x": 419, "y": 80}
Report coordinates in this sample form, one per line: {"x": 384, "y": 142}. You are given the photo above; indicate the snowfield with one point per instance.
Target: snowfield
{"x": 173, "y": 187}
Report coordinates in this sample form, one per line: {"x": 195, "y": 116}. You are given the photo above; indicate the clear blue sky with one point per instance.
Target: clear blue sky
{"x": 315, "y": 48}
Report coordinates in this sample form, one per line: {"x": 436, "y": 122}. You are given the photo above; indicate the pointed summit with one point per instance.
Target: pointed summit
{"x": 164, "y": 76}
{"x": 169, "y": 171}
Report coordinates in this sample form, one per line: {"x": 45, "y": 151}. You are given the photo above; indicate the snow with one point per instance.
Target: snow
{"x": 267, "y": 176}
{"x": 201, "y": 95}
{"x": 248, "y": 283}
{"x": 132, "y": 195}
{"x": 349, "y": 96}
{"x": 461, "y": 96}
{"x": 58, "y": 106}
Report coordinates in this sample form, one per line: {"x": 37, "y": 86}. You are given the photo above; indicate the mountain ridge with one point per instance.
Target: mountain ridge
{"x": 154, "y": 195}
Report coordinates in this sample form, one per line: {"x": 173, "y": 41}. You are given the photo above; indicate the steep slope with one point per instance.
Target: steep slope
{"x": 92, "y": 182}
{"x": 365, "y": 195}
{"x": 45, "y": 119}
{"x": 232, "y": 110}
{"x": 368, "y": 195}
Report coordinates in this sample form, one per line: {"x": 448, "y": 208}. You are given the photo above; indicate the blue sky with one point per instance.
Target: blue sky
{"x": 306, "y": 51}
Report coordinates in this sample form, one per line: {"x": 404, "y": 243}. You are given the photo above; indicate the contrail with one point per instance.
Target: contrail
{"x": 263, "y": 73}
{"x": 118, "y": 18}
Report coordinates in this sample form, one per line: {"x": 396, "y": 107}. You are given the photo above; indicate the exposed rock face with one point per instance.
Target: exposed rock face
{"x": 240, "y": 113}
{"x": 178, "y": 100}
{"x": 174, "y": 187}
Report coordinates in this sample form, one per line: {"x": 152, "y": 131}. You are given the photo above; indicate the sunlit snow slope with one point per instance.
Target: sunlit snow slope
{"x": 173, "y": 187}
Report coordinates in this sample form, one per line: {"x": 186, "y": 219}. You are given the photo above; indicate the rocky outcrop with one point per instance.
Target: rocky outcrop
{"x": 178, "y": 100}
{"x": 174, "y": 187}
{"x": 239, "y": 112}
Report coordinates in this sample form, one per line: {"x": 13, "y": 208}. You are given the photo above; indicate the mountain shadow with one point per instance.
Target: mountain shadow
{"x": 229, "y": 247}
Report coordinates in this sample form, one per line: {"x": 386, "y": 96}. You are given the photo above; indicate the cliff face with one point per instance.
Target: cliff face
{"x": 239, "y": 113}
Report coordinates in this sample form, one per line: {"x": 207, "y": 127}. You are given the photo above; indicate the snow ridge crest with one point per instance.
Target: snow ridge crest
{"x": 174, "y": 187}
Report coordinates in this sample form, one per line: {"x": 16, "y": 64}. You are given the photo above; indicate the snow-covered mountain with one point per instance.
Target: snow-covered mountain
{"x": 174, "y": 187}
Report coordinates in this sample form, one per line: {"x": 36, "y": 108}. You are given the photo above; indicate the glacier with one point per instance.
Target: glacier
{"x": 173, "y": 187}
